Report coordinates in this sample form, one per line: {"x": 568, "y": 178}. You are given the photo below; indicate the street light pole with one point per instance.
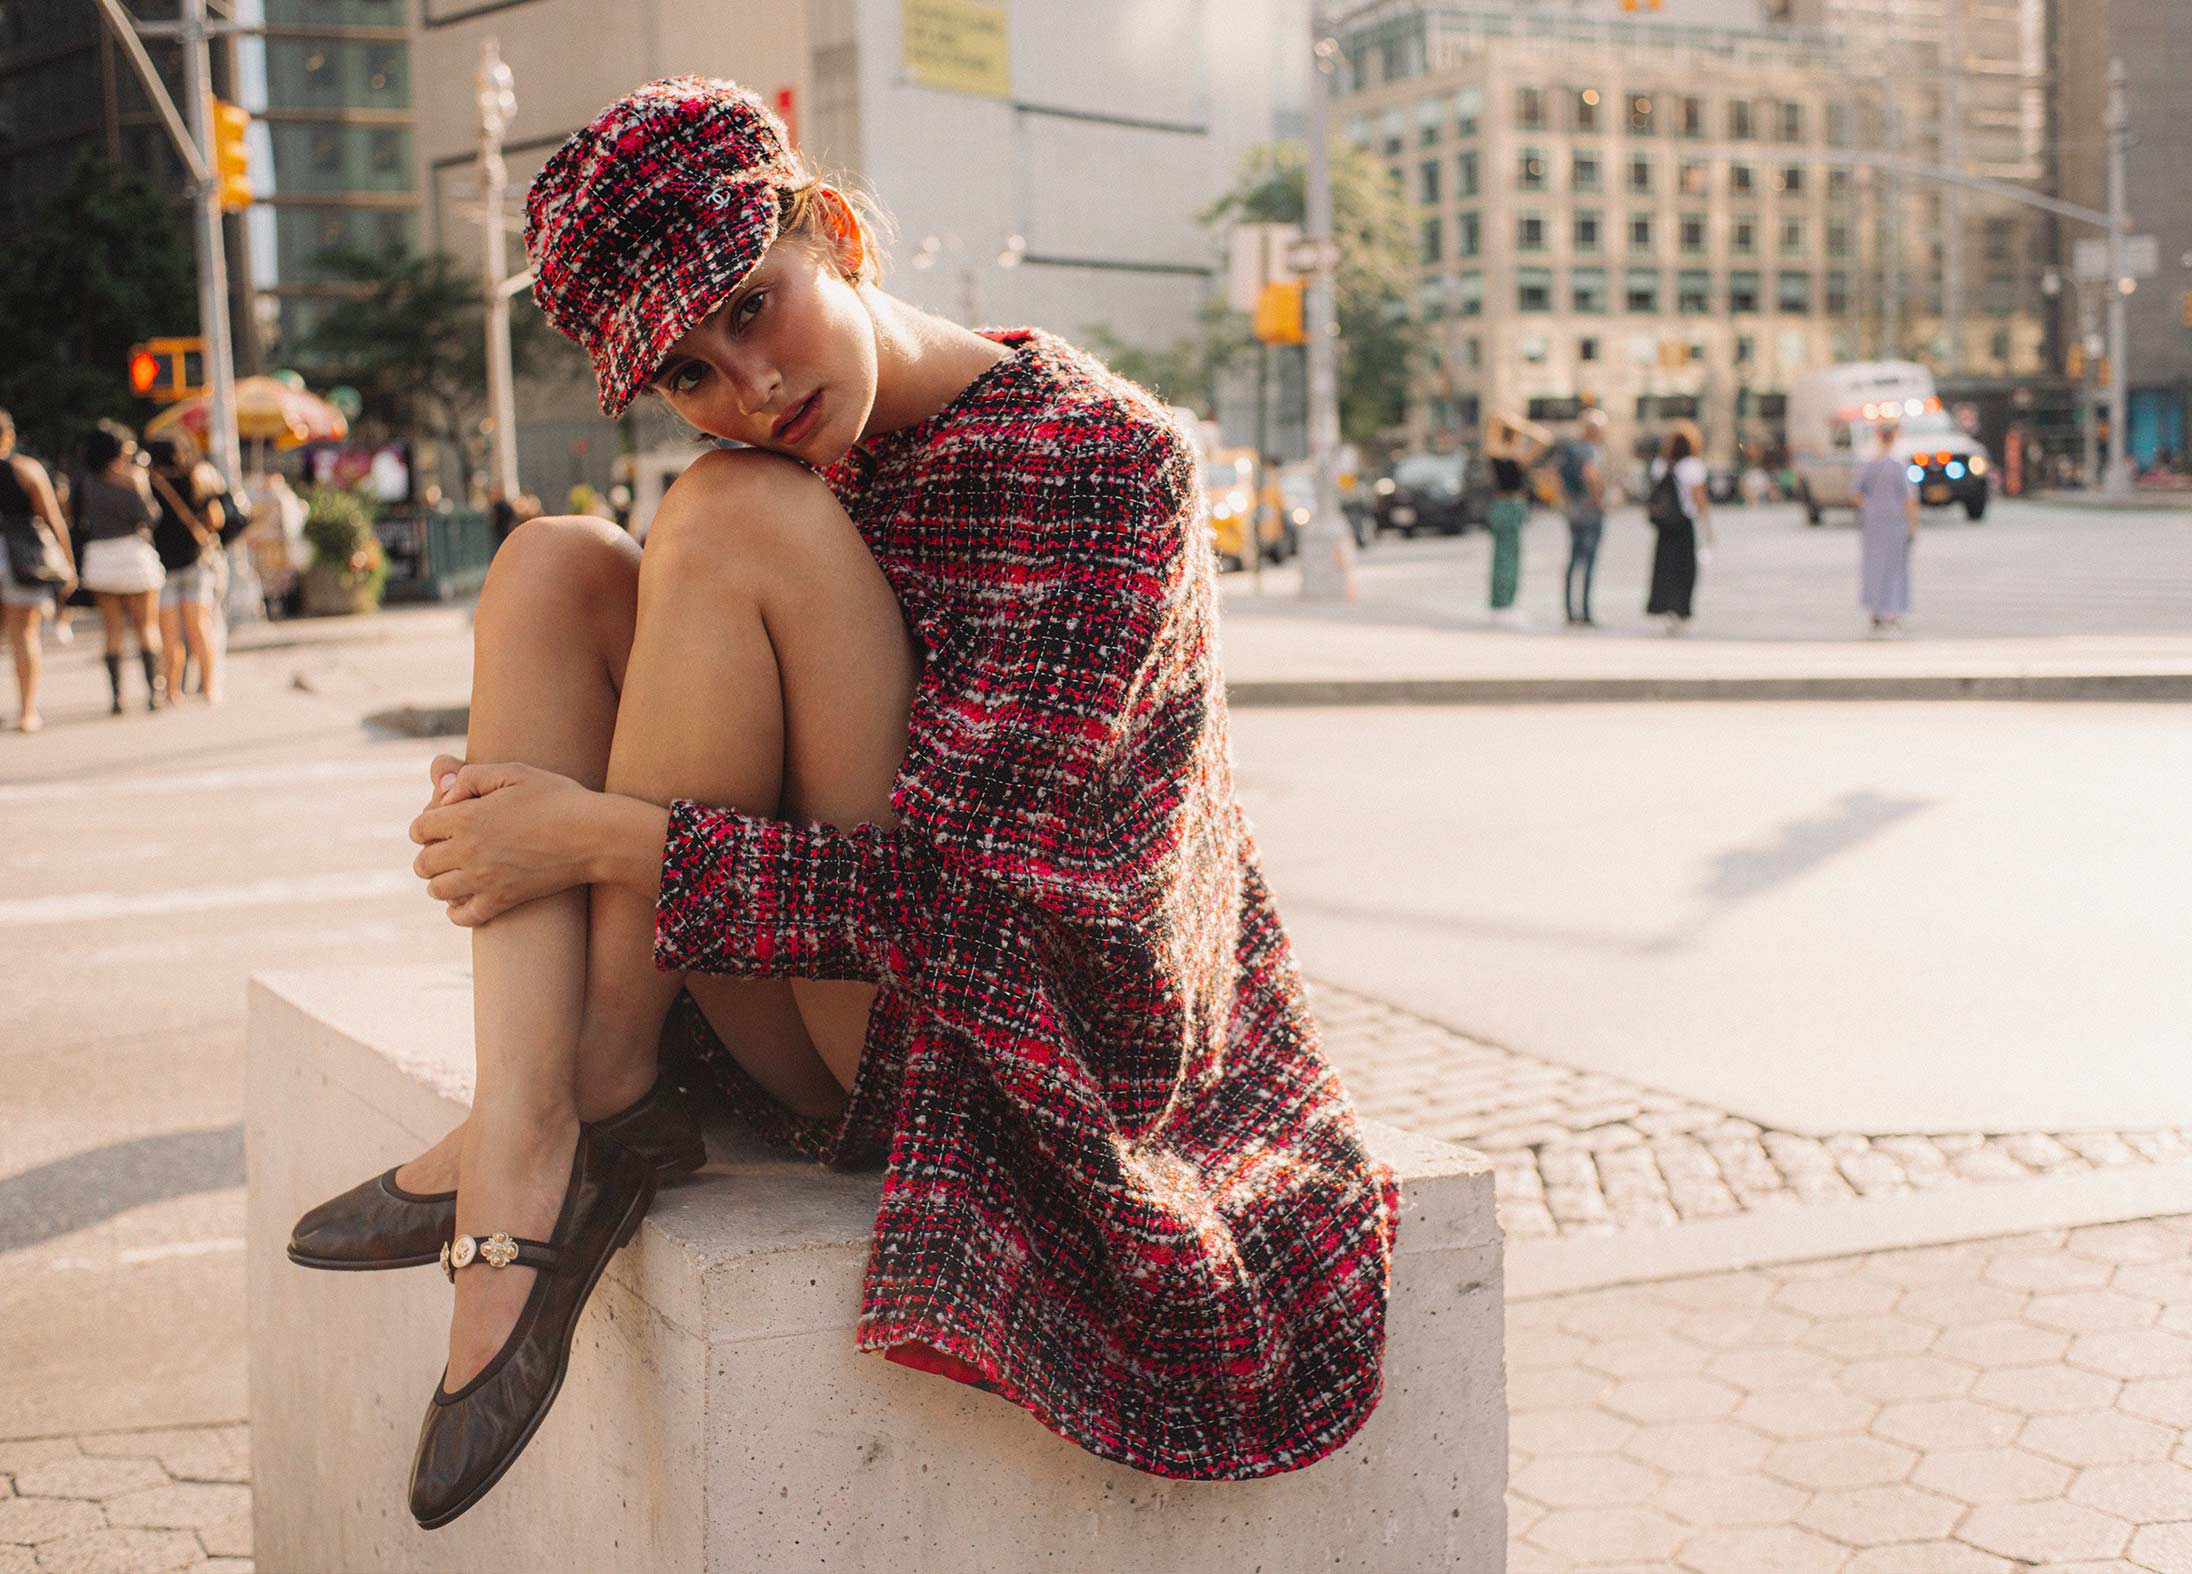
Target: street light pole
{"x": 2120, "y": 285}
{"x": 222, "y": 446}
{"x": 1328, "y": 551}
{"x": 497, "y": 104}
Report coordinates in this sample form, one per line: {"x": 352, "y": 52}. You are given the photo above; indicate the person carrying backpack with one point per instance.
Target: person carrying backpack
{"x": 1583, "y": 489}
{"x": 1678, "y": 509}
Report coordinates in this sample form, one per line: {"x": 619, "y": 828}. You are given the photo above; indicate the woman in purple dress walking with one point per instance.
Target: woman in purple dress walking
{"x": 1887, "y": 521}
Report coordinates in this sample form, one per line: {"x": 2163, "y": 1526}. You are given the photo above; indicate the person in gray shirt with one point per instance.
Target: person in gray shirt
{"x": 1583, "y": 489}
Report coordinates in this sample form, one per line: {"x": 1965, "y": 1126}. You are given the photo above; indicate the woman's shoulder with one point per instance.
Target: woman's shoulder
{"x": 1064, "y": 413}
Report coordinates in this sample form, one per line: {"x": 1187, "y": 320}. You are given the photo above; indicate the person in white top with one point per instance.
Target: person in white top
{"x": 1679, "y": 511}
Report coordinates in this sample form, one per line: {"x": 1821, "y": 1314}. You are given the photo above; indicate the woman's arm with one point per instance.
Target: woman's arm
{"x": 47, "y": 506}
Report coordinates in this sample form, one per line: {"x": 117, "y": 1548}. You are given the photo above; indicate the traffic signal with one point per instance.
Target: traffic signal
{"x": 2184, "y": 309}
{"x": 1279, "y": 315}
{"x": 165, "y": 370}
{"x": 1639, "y": 5}
{"x": 231, "y": 159}
{"x": 2074, "y": 361}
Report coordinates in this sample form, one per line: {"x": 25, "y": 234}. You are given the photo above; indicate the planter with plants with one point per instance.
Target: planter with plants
{"x": 348, "y": 568}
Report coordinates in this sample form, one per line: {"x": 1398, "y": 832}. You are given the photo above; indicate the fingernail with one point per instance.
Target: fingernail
{"x": 448, "y": 782}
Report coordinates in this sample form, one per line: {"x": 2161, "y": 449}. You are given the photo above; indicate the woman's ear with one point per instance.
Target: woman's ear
{"x": 849, "y": 246}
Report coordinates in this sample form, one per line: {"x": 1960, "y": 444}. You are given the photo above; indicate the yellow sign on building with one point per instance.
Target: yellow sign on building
{"x": 958, "y": 45}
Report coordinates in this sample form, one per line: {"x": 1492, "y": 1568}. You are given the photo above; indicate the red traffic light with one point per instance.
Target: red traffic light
{"x": 144, "y": 372}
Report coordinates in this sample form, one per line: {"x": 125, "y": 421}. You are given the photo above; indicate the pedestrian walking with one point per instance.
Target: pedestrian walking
{"x": 192, "y": 505}
{"x": 934, "y": 644}
{"x": 1680, "y": 511}
{"x": 1583, "y": 488}
{"x": 1512, "y": 446}
{"x": 114, "y": 520}
{"x": 1887, "y": 529}
{"x": 36, "y": 548}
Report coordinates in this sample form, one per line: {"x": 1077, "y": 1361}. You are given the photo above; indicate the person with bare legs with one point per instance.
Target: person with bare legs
{"x": 114, "y": 520}
{"x": 189, "y": 493}
{"x": 27, "y": 501}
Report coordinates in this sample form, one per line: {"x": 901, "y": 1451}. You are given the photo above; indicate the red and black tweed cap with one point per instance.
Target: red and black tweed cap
{"x": 643, "y": 222}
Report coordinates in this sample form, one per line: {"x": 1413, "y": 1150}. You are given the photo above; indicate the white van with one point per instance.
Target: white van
{"x": 1833, "y": 414}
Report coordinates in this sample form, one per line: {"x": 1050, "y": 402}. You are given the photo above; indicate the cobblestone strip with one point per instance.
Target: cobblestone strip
{"x": 1577, "y": 1153}
{"x": 127, "y": 1502}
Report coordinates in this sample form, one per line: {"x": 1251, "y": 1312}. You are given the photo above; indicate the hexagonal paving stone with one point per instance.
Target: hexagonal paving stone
{"x": 2001, "y": 1344}
{"x": 1912, "y": 1266}
{"x": 1946, "y": 1423}
{"x": 1605, "y": 1535}
{"x": 1992, "y": 1475}
{"x": 18, "y": 1560}
{"x": 1618, "y": 1314}
{"x": 1907, "y": 1377}
{"x": 1775, "y": 1366}
{"x": 1807, "y": 1411}
{"x": 1838, "y": 1297}
{"x": 2137, "y": 1241}
{"x": 2165, "y": 1399}
{"x": 2045, "y": 1390}
{"x": 1875, "y": 1516}
{"x": 1729, "y": 1500}
{"x": 2097, "y": 1437}
{"x": 2133, "y": 1352}
{"x": 1716, "y": 1291}
{"x": 1691, "y": 1448}
{"x": 180, "y": 1505}
{"x": 229, "y": 1537}
{"x": 107, "y": 1551}
{"x": 1740, "y": 1329}
{"x": 2085, "y": 1311}
{"x": 2044, "y": 1532}
{"x": 1577, "y": 1429}
{"x": 92, "y": 1479}
{"x": 1955, "y": 1305}
{"x": 32, "y": 1521}
{"x": 2177, "y": 1318}
{"x": 1654, "y": 1355}
{"x": 1823, "y": 1463}
{"x": 1935, "y": 1557}
{"x": 1535, "y": 1347}
{"x": 2156, "y": 1281}
{"x": 2163, "y": 1547}
{"x": 2050, "y": 1270}
{"x": 26, "y": 1452}
{"x": 1862, "y": 1338}
{"x": 1544, "y": 1388}
{"x": 2144, "y": 1494}
{"x": 1650, "y": 1399}
{"x": 1782, "y": 1548}
{"x": 1585, "y": 1481}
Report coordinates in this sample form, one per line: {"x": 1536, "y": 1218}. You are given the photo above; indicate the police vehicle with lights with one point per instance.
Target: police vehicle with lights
{"x": 1833, "y": 415}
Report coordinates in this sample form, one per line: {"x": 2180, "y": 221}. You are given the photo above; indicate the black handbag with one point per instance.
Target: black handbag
{"x": 34, "y": 557}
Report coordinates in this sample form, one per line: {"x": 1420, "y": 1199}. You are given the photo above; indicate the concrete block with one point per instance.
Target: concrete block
{"x": 717, "y": 1417}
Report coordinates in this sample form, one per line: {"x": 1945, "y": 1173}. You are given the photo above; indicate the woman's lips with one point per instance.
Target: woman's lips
{"x": 801, "y": 421}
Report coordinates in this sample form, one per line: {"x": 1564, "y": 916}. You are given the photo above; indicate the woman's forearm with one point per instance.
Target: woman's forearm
{"x": 624, "y": 840}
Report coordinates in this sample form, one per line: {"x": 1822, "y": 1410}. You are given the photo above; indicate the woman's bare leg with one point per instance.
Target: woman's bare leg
{"x": 172, "y": 649}
{"x": 23, "y": 641}
{"x": 203, "y": 635}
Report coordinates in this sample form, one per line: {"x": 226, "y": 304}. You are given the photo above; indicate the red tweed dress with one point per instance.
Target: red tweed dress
{"x": 1123, "y": 1187}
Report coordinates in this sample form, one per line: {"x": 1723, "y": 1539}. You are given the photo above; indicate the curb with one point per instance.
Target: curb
{"x": 1282, "y": 693}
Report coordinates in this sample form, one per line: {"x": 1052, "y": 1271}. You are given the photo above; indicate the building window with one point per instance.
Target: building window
{"x": 1472, "y": 352}
{"x": 1790, "y": 121}
{"x": 1837, "y": 294}
{"x": 1743, "y": 237}
{"x": 1393, "y": 128}
{"x": 1640, "y": 173}
{"x": 1793, "y": 292}
{"x": 1587, "y": 349}
{"x": 1743, "y": 291}
{"x": 1690, "y": 115}
{"x": 1534, "y": 289}
{"x": 1530, "y": 108}
{"x": 1742, "y": 180}
{"x": 1555, "y": 407}
{"x": 1589, "y": 231}
{"x": 1693, "y": 292}
{"x": 1790, "y": 180}
{"x": 1692, "y": 177}
{"x": 1585, "y": 172}
{"x": 1469, "y": 297}
{"x": 1794, "y": 238}
{"x": 1536, "y": 349}
{"x": 1433, "y": 239}
{"x": 388, "y": 154}
{"x": 1839, "y": 125}
{"x": 1430, "y": 176}
{"x": 1999, "y": 294}
{"x": 1641, "y": 110}
{"x": 1693, "y": 235}
{"x": 1468, "y": 234}
{"x": 1430, "y": 120}
{"x": 1740, "y": 122}
{"x": 1587, "y": 288}
{"x": 1465, "y": 175}
{"x": 1530, "y": 170}
{"x": 1998, "y": 346}
{"x": 1640, "y": 232}
{"x": 1746, "y": 349}
{"x": 1640, "y": 291}
{"x": 327, "y": 150}
{"x": 1529, "y": 232}
{"x": 1468, "y": 108}
{"x": 1838, "y": 184}
{"x": 1585, "y": 109}
{"x": 1838, "y": 239}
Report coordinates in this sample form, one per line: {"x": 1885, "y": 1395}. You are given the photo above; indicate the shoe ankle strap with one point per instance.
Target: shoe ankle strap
{"x": 499, "y": 1250}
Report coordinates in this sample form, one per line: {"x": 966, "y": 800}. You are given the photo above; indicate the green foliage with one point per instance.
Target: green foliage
{"x": 103, "y": 264}
{"x": 1185, "y": 371}
{"x": 1377, "y": 230}
{"x": 338, "y": 523}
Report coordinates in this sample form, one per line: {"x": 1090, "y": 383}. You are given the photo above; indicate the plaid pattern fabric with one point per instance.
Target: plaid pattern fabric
{"x": 644, "y": 221}
{"x": 1123, "y": 1186}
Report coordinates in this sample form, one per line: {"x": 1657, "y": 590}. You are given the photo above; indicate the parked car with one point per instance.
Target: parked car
{"x": 1232, "y": 482}
{"x": 1442, "y": 492}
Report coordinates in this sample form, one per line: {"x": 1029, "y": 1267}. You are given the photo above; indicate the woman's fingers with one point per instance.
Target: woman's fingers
{"x": 452, "y": 886}
{"x": 434, "y": 858}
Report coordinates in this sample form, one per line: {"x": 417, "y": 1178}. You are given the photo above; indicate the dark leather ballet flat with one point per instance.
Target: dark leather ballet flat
{"x": 469, "y": 1438}
{"x": 377, "y": 1224}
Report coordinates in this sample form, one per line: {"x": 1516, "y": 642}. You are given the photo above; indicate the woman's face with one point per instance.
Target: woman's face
{"x": 786, "y": 363}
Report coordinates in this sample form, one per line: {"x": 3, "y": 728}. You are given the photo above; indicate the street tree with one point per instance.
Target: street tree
{"x": 103, "y": 264}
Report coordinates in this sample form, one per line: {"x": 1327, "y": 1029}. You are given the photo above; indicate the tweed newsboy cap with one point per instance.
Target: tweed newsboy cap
{"x": 643, "y": 222}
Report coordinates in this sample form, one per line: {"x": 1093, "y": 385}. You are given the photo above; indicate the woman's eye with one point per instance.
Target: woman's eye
{"x": 750, "y": 307}
{"x": 686, "y": 379}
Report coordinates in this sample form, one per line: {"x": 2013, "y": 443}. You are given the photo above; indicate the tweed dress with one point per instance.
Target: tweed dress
{"x": 1122, "y": 1185}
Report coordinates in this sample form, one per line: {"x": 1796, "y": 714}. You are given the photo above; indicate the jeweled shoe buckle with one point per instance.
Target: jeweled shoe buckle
{"x": 499, "y": 1250}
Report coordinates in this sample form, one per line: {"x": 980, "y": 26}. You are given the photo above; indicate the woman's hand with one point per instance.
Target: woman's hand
{"x": 498, "y": 836}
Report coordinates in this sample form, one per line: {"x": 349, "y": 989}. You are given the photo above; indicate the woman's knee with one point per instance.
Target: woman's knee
{"x": 744, "y": 520}
{"x": 553, "y": 569}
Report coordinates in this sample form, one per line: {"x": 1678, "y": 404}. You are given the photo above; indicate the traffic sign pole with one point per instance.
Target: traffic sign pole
{"x": 2118, "y": 480}
{"x": 221, "y": 441}
{"x": 1327, "y": 550}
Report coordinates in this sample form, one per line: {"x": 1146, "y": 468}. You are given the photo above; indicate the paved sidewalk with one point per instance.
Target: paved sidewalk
{"x": 127, "y": 1503}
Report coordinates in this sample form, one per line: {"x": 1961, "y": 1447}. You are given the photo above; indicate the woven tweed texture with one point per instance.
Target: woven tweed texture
{"x": 1123, "y": 1187}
